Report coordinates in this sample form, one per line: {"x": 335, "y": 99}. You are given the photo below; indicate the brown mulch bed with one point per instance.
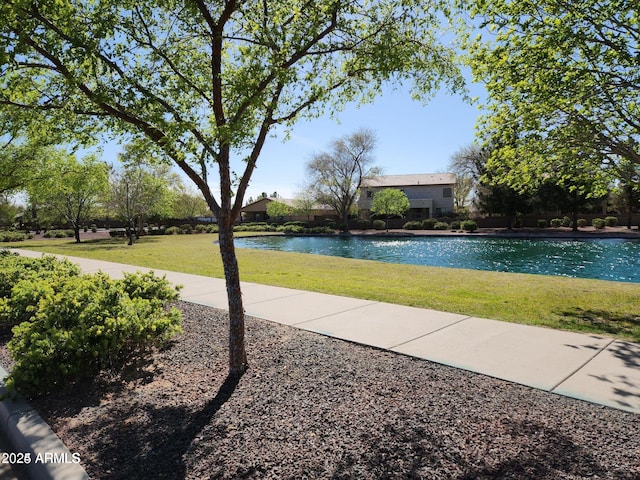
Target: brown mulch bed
{"x": 317, "y": 407}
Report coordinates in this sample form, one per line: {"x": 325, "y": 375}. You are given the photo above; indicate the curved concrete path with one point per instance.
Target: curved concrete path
{"x": 593, "y": 368}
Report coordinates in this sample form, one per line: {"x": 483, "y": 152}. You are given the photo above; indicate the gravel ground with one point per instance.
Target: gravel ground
{"x": 316, "y": 407}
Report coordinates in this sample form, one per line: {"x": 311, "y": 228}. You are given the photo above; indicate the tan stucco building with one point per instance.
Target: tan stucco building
{"x": 257, "y": 211}
{"x": 430, "y": 195}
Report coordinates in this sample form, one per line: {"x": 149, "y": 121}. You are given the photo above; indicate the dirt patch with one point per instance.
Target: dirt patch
{"x": 316, "y": 407}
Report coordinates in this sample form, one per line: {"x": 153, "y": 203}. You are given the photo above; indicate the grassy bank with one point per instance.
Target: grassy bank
{"x": 610, "y": 308}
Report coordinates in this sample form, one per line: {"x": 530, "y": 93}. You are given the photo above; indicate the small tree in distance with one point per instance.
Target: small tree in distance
{"x": 390, "y": 202}
{"x": 72, "y": 188}
{"x": 336, "y": 175}
{"x": 278, "y": 210}
{"x": 304, "y": 204}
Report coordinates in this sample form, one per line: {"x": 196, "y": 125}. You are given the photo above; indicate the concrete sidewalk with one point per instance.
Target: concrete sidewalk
{"x": 593, "y": 368}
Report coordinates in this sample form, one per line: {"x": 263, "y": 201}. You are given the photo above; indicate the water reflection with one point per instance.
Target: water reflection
{"x": 610, "y": 259}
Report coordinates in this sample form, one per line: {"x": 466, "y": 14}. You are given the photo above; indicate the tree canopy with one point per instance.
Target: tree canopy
{"x": 278, "y": 210}
{"x": 563, "y": 80}
{"x": 390, "y": 202}
{"x": 22, "y": 158}
{"x": 71, "y": 189}
{"x": 205, "y": 82}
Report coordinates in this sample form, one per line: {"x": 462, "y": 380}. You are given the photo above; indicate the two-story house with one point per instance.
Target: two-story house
{"x": 430, "y": 195}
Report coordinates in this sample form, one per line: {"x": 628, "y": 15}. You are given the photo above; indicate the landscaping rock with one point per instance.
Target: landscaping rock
{"x": 316, "y": 407}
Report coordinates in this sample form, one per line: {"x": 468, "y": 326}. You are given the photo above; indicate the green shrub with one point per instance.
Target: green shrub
{"x": 363, "y": 224}
{"x": 212, "y": 228}
{"x": 94, "y": 229}
{"x": 331, "y": 223}
{"x": 15, "y": 268}
{"x": 582, "y": 222}
{"x": 566, "y": 221}
{"x": 254, "y": 227}
{"x": 542, "y": 223}
{"x": 454, "y": 225}
{"x": 200, "y": 228}
{"x": 441, "y": 226}
{"x": 89, "y": 323}
{"x": 58, "y": 234}
{"x": 185, "y": 229}
{"x": 322, "y": 230}
{"x": 611, "y": 221}
{"x": 429, "y": 224}
{"x": 172, "y": 231}
{"x": 556, "y": 222}
{"x": 598, "y": 223}
{"x": 413, "y": 225}
{"x": 13, "y": 236}
{"x": 379, "y": 224}
{"x": 291, "y": 229}
{"x": 296, "y": 223}
{"x": 469, "y": 226}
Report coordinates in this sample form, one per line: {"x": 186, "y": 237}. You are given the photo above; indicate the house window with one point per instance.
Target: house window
{"x": 446, "y": 192}
{"x": 369, "y": 194}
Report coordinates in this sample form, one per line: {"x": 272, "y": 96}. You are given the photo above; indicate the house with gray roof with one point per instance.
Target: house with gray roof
{"x": 430, "y": 195}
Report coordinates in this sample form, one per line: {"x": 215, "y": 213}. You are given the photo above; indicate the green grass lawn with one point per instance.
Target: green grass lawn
{"x": 610, "y": 308}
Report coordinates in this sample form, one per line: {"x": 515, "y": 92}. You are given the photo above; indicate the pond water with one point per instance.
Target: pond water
{"x": 605, "y": 259}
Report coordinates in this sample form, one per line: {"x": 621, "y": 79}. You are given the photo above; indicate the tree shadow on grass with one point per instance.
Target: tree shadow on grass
{"x": 101, "y": 244}
{"x": 603, "y": 322}
{"x": 89, "y": 245}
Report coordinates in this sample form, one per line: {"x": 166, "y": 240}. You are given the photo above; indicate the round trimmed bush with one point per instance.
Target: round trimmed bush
{"x": 363, "y": 224}
{"x": 13, "y": 236}
{"x": 379, "y": 224}
{"x": 413, "y": 225}
{"x": 469, "y": 226}
{"x": 429, "y": 224}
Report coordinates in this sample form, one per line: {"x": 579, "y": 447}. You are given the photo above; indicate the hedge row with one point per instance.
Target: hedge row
{"x": 6, "y": 236}
{"x": 68, "y": 326}
{"x": 433, "y": 224}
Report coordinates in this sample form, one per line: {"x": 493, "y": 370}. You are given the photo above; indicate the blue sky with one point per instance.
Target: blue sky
{"x": 412, "y": 138}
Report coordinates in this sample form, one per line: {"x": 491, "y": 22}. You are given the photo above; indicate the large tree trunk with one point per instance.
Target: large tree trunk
{"x": 237, "y": 353}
